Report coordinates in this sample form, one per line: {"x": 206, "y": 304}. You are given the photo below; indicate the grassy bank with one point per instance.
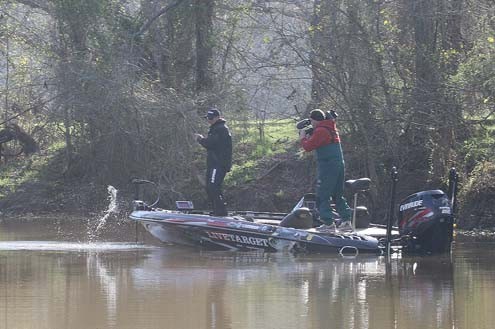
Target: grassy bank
{"x": 255, "y": 143}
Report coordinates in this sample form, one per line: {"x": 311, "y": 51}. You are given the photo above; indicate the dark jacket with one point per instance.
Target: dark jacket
{"x": 218, "y": 144}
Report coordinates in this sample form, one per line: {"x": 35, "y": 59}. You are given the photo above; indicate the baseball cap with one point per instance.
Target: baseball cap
{"x": 317, "y": 115}
{"x": 212, "y": 113}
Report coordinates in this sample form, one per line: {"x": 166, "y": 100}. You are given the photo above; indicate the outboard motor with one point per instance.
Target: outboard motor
{"x": 426, "y": 219}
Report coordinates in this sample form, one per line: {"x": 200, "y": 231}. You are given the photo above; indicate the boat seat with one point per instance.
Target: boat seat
{"x": 300, "y": 218}
{"x": 361, "y": 184}
{"x": 310, "y": 201}
{"x": 363, "y": 218}
{"x": 310, "y": 197}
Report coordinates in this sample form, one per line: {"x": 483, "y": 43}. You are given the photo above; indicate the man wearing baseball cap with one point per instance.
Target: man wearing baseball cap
{"x": 325, "y": 140}
{"x": 218, "y": 145}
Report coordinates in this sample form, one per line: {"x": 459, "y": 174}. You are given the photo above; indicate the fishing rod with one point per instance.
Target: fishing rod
{"x": 395, "y": 177}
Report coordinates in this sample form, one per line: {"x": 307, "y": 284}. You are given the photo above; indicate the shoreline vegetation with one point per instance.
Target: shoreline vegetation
{"x": 95, "y": 93}
{"x": 267, "y": 176}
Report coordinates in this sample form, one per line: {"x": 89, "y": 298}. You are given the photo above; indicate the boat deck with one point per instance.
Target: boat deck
{"x": 376, "y": 231}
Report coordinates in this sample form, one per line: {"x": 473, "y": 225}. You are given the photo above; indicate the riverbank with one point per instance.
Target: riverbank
{"x": 39, "y": 186}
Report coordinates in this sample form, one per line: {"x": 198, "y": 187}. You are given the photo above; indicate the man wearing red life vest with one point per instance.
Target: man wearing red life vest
{"x": 325, "y": 141}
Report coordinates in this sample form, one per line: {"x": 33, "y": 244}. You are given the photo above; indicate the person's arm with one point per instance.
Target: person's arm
{"x": 211, "y": 140}
{"x": 317, "y": 139}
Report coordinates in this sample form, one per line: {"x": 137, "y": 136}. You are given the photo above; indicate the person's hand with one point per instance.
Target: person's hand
{"x": 302, "y": 134}
{"x": 198, "y": 136}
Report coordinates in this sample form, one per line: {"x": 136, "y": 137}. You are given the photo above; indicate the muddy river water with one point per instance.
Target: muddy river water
{"x": 67, "y": 273}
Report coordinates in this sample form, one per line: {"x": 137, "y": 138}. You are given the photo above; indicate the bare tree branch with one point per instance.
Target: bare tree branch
{"x": 162, "y": 11}
{"x": 37, "y": 4}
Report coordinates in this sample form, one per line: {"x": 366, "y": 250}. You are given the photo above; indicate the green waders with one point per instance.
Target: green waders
{"x": 330, "y": 186}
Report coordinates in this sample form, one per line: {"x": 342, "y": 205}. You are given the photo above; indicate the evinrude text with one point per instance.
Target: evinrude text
{"x": 410, "y": 205}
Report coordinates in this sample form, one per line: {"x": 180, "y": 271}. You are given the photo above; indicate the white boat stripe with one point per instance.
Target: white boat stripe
{"x": 213, "y": 174}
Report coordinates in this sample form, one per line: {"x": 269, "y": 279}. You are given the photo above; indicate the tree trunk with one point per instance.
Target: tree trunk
{"x": 425, "y": 98}
{"x": 69, "y": 148}
{"x": 204, "y": 44}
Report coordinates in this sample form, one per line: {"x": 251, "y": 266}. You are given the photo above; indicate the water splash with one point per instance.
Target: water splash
{"x": 113, "y": 207}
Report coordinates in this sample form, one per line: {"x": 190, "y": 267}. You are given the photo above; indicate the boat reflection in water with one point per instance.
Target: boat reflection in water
{"x": 120, "y": 286}
{"x": 269, "y": 290}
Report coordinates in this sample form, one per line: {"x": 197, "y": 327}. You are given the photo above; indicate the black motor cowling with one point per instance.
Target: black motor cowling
{"x": 426, "y": 219}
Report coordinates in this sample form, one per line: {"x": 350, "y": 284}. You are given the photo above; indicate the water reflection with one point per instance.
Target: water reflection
{"x": 426, "y": 291}
{"x": 69, "y": 246}
{"x": 59, "y": 284}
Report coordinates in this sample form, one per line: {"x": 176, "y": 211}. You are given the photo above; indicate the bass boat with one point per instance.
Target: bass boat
{"x": 425, "y": 225}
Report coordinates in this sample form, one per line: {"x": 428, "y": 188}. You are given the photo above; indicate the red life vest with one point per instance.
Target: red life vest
{"x": 326, "y": 133}
{"x": 331, "y": 127}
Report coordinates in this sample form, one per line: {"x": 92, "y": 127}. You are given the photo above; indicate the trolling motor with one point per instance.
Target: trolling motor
{"x": 138, "y": 204}
{"x": 305, "y": 124}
